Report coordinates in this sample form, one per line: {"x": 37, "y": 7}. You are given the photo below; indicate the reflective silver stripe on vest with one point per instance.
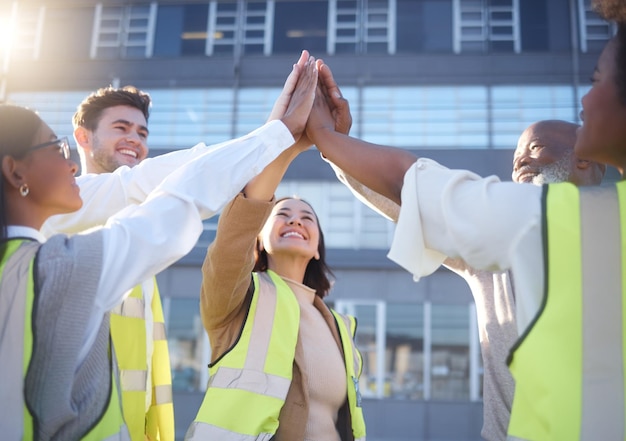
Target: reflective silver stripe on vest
{"x": 131, "y": 307}
{"x": 133, "y": 380}
{"x": 13, "y": 286}
{"x": 158, "y": 331}
{"x": 602, "y": 316}
{"x": 253, "y": 381}
{"x": 248, "y": 377}
{"x": 208, "y": 432}
{"x": 162, "y": 394}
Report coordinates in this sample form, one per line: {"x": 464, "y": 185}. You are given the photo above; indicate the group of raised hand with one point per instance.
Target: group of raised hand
{"x": 310, "y": 102}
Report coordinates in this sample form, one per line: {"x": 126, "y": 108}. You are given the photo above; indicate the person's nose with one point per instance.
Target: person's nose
{"x": 294, "y": 220}
{"x": 134, "y": 138}
{"x": 520, "y": 161}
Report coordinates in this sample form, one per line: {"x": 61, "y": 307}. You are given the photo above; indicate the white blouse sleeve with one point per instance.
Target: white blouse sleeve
{"x": 107, "y": 193}
{"x": 457, "y": 214}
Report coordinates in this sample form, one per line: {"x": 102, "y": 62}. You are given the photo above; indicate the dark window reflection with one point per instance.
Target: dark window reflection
{"x": 424, "y": 26}
{"x": 300, "y": 25}
{"x": 534, "y": 25}
{"x": 181, "y": 30}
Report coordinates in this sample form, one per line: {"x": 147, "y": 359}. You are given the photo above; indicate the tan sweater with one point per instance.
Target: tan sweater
{"x": 318, "y": 393}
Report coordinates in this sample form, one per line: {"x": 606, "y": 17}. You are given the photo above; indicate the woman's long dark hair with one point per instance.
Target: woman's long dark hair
{"x": 317, "y": 275}
{"x": 18, "y": 128}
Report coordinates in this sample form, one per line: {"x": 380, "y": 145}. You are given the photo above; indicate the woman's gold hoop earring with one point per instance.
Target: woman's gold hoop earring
{"x": 24, "y": 190}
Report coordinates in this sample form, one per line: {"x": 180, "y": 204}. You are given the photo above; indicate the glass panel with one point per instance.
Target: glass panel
{"x": 450, "y": 352}
{"x": 255, "y": 105}
{"x": 419, "y": 117}
{"x": 366, "y": 344}
{"x": 55, "y": 108}
{"x": 516, "y": 107}
{"x": 300, "y": 24}
{"x": 502, "y": 15}
{"x": 472, "y": 16}
{"x": 181, "y": 118}
{"x": 424, "y": 26}
{"x": 181, "y": 30}
{"x": 185, "y": 335}
{"x": 135, "y": 52}
{"x": 405, "y": 346}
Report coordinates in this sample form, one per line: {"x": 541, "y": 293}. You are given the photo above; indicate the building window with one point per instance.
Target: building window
{"x": 123, "y": 31}
{"x": 188, "y": 344}
{"x": 475, "y": 117}
{"x": 424, "y": 26}
{"x": 450, "y": 352}
{"x": 55, "y": 108}
{"x": 361, "y": 26}
{"x": 240, "y": 27}
{"x": 434, "y": 117}
{"x": 181, "y": 118}
{"x": 181, "y": 30}
{"x": 594, "y": 31}
{"x": 300, "y": 25}
{"x": 516, "y": 107}
{"x": 486, "y": 26}
{"x": 416, "y": 351}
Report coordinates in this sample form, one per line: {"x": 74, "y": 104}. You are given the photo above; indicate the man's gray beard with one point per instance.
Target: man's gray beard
{"x": 556, "y": 172}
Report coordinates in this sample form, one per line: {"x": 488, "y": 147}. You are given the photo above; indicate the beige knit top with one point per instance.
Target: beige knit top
{"x": 319, "y": 386}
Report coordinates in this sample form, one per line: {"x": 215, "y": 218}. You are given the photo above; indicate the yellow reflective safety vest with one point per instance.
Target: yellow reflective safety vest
{"x": 144, "y": 364}
{"x": 19, "y": 286}
{"x": 569, "y": 365}
{"x": 248, "y": 385}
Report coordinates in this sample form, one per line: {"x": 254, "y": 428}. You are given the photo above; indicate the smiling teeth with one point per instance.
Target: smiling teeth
{"x": 128, "y": 152}
{"x": 294, "y": 234}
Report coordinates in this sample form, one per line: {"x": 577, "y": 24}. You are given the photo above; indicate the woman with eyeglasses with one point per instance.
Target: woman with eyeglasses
{"x": 57, "y": 369}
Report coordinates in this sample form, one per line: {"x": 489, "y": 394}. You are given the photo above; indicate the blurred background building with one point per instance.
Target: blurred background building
{"x": 455, "y": 80}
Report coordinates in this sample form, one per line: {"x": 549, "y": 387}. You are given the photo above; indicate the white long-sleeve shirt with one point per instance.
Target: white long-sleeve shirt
{"x": 491, "y": 225}
{"x": 142, "y": 240}
{"x": 107, "y": 193}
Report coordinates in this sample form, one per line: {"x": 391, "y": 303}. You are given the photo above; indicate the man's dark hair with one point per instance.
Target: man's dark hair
{"x": 90, "y": 109}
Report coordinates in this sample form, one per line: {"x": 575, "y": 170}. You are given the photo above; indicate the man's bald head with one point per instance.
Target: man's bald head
{"x": 545, "y": 154}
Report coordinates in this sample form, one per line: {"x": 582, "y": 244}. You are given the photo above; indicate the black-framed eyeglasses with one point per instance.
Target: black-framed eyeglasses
{"x": 62, "y": 143}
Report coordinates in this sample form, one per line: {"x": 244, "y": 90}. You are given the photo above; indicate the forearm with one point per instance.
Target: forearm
{"x": 263, "y": 186}
{"x": 230, "y": 259}
{"x": 380, "y": 168}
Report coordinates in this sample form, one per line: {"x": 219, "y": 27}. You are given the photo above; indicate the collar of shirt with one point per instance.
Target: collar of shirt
{"x": 21, "y": 231}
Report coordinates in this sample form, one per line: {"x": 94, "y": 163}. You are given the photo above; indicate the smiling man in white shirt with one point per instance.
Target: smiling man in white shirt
{"x": 111, "y": 131}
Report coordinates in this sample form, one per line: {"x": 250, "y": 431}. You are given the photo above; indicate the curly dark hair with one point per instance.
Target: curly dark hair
{"x": 90, "y": 109}
{"x": 612, "y": 10}
{"x": 317, "y": 275}
{"x": 615, "y": 11}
